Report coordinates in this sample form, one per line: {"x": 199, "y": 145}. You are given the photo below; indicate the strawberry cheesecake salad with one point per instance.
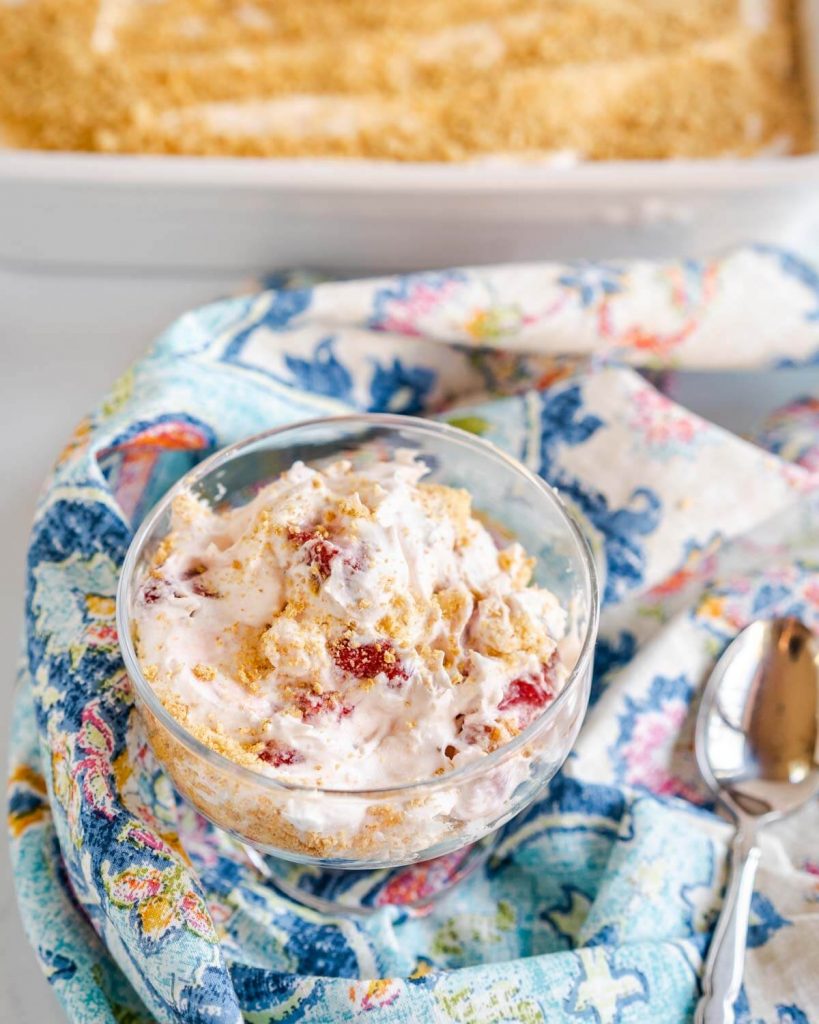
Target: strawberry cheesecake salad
{"x": 349, "y": 629}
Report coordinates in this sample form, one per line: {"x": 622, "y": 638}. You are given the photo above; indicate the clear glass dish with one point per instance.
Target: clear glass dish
{"x": 306, "y": 834}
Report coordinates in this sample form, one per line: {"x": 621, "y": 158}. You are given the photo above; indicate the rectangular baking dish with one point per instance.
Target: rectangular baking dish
{"x": 89, "y": 213}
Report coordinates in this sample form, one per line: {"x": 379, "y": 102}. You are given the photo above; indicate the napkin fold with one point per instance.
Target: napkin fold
{"x": 598, "y": 903}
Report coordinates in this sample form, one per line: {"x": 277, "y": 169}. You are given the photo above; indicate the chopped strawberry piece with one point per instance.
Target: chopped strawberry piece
{"x": 153, "y": 591}
{"x": 526, "y": 693}
{"x": 368, "y": 660}
{"x": 158, "y": 589}
{"x": 354, "y": 562}
{"x": 277, "y": 756}
{"x": 320, "y": 551}
{"x": 530, "y": 694}
{"x": 312, "y": 704}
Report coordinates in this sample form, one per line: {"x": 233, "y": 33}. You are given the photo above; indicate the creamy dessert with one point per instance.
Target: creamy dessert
{"x": 432, "y": 80}
{"x": 348, "y": 629}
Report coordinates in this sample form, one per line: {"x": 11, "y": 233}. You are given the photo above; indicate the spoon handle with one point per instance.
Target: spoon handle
{"x": 722, "y": 974}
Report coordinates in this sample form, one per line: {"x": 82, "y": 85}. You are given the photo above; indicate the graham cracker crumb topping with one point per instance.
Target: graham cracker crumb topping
{"x": 402, "y": 79}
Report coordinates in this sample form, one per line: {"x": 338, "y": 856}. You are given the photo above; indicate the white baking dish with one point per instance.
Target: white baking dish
{"x": 94, "y": 213}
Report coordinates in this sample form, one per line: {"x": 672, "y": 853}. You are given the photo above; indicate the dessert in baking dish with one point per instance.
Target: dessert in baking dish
{"x": 423, "y": 80}
{"x": 347, "y": 628}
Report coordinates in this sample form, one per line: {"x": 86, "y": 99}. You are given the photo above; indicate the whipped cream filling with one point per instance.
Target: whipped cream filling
{"x": 347, "y": 628}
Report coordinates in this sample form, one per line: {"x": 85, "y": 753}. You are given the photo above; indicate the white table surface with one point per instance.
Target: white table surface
{"x": 63, "y": 339}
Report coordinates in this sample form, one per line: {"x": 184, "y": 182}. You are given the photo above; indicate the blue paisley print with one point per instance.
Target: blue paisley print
{"x": 323, "y": 374}
{"x": 565, "y": 422}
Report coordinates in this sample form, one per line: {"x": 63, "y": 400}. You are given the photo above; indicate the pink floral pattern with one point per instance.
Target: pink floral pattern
{"x": 162, "y": 901}
{"x": 664, "y": 429}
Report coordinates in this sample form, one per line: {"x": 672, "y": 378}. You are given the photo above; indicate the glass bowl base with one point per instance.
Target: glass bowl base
{"x": 411, "y": 888}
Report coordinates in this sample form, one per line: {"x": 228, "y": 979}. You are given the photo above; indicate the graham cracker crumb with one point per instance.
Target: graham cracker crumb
{"x": 405, "y": 79}
{"x": 395, "y": 622}
{"x": 163, "y": 552}
{"x": 178, "y": 708}
{"x": 386, "y": 815}
{"x": 204, "y": 672}
{"x": 294, "y": 608}
{"x": 452, "y": 503}
{"x": 186, "y": 508}
{"x": 518, "y": 565}
{"x": 354, "y": 508}
{"x": 251, "y": 663}
{"x": 261, "y": 526}
{"x": 501, "y": 733}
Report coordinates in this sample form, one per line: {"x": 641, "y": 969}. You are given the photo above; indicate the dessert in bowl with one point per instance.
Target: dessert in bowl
{"x": 359, "y": 642}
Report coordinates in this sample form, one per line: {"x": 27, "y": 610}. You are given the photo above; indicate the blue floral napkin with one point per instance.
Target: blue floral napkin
{"x": 598, "y": 904}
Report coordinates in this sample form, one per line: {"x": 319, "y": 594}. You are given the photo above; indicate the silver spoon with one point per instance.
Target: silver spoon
{"x": 756, "y": 744}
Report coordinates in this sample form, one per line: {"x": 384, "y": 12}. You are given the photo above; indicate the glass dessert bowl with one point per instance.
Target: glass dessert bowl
{"x": 360, "y": 644}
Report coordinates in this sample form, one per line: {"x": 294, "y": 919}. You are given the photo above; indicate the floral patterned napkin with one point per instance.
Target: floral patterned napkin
{"x": 598, "y": 904}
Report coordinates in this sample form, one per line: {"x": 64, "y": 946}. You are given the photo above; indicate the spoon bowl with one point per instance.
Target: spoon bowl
{"x": 756, "y": 735}
{"x": 756, "y": 744}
